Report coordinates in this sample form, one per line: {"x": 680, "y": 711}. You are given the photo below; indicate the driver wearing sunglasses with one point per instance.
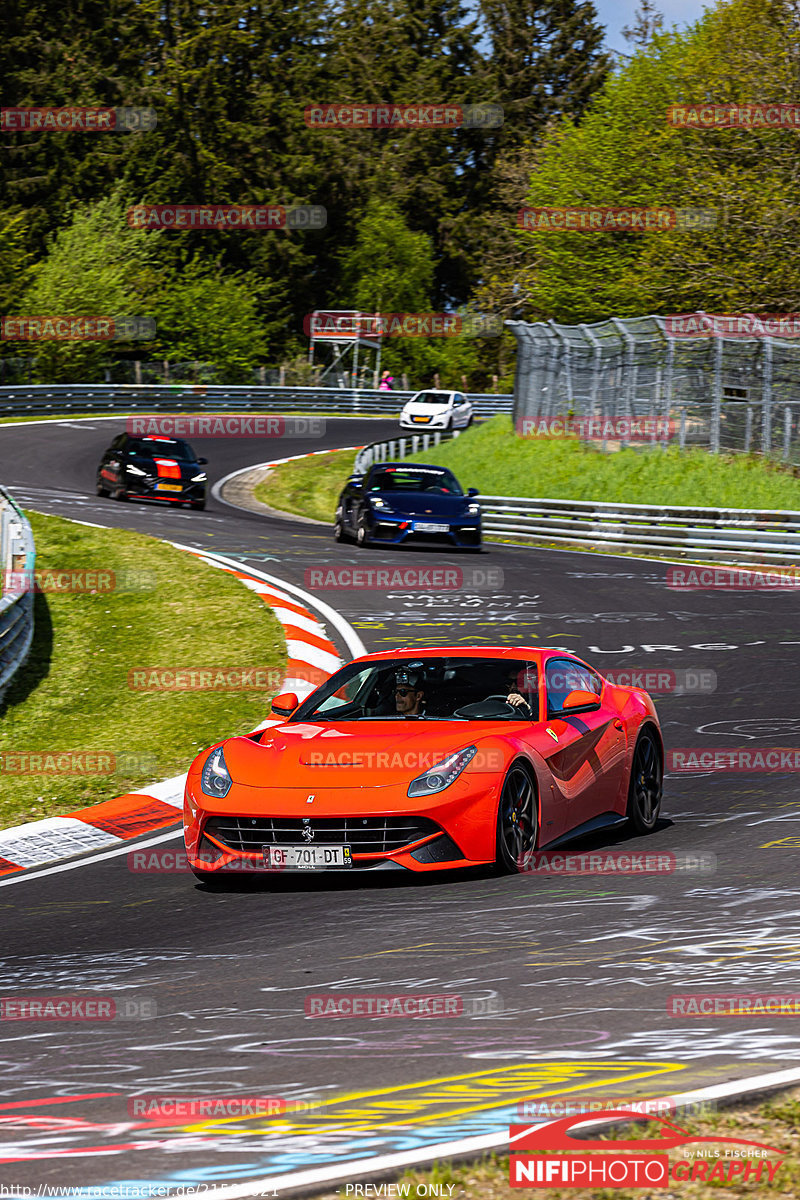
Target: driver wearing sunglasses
{"x": 409, "y": 696}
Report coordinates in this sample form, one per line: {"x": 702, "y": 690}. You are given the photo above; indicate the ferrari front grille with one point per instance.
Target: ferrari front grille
{"x": 366, "y": 835}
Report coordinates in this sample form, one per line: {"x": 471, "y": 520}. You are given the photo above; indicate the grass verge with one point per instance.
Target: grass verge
{"x": 492, "y": 458}
{"x": 775, "y": 1123}
{"x": 309, "y": 486}
{"x": 73, "y": 693}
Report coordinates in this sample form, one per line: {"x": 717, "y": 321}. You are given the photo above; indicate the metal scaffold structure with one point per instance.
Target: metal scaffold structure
{"x": 347, "y": 332}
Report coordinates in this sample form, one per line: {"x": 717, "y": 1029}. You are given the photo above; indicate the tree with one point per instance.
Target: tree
{"x": 546, "y": 61}
{"x": 647, "y": 22}
{"x": 209, "y": 317}
{"x": 623, "y": 153}
{"x": 96, "y": 266}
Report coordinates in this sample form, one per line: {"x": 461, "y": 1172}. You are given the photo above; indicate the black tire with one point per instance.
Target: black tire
{"x": 101, "y": 491}
{"x": 339, "y": 534}
{"x": 646, "y": 783}
{"x": 120, "y": 494}
{"x": 198, "y": 505}
{"x": 362, "y": 531}
{"x": 517, "y": 821}
{"x": 469, "y": 422}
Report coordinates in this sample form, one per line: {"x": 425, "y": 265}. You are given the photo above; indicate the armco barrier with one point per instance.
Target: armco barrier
{"x": 49, "y": 399}
{"x": 17, "y": 555}
{"x": 729, "y": 534}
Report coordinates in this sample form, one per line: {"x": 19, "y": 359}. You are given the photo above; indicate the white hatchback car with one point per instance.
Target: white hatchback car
{"x": 436, "y": 409}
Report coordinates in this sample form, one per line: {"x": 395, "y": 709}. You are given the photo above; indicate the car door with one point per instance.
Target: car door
{"x": 460, "y": 411}
{"x": 586, "y": 751}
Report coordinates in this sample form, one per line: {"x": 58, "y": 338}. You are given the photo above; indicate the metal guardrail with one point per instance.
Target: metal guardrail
{"x": 399, "y": 447}
{"x": 18, "y": 559}
{"x": 678, "y": 531}
{"x": 46, "y": 399}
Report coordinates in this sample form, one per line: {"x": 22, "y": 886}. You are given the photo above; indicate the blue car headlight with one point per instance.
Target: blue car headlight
{"x": 474, "y": 510}
{"x": 380, "y": 505}
{"x": 215, "y": 778}
{"x": 442, "y": 774}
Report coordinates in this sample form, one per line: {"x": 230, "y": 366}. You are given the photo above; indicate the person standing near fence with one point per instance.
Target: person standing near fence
{"x": 386, "y": 382}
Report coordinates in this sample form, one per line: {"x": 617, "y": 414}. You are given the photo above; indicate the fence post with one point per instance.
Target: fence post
{"x": 766, "y": 396}
{"x": 716, "y": 411}
{"x": 787, "y": 430}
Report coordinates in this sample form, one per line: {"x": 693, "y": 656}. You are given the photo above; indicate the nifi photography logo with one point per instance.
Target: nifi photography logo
{"x": 547, "y": 1156}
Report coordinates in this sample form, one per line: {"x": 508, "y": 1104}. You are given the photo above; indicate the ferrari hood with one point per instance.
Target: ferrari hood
{"x": 369, "y": 754}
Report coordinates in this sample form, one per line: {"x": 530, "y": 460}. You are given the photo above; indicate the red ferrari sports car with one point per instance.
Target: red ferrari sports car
{"x": 424, "y": 761}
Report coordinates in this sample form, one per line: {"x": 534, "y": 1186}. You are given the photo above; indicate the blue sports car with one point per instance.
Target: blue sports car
{"x": 397, "y": 502}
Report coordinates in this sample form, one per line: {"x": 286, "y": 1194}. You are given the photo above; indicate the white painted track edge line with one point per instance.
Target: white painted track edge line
{"x": 322, "y": 1177}
{"x": 126, "y": 848}
{"x": 216, "y": 488}
{"x": 351, "y": 639}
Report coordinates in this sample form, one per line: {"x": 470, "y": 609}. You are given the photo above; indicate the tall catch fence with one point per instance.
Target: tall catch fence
{"x": 725, "y": 394}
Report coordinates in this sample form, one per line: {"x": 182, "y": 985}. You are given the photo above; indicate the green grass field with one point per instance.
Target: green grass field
{"x": 492, "y": 458}
{"x": 73, "y": 693}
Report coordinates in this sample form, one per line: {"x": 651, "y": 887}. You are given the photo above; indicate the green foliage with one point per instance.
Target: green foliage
{"x": 96, "y": 266}
{"x": 623, "y": 153}
{"x": 205, "y": 316}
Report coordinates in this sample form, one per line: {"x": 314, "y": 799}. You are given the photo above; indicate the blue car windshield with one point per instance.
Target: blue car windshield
{"x": 414, "y": 479}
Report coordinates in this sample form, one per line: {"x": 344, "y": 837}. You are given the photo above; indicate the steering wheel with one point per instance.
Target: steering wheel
{"x": 513, "y": 707}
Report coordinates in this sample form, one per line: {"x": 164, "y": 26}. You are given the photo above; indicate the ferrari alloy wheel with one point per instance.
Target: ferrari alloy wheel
{"x": 362, "y": 533}
{"x": 644, "y": 791}
{"x": 516, "y": 821}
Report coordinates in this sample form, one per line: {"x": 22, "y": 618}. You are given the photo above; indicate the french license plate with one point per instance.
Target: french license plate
{"x": 306, "y": 858}
{"x": 421, "y": 420}
{"x": 429, "y": 527}
{"x": 170, "y": 487}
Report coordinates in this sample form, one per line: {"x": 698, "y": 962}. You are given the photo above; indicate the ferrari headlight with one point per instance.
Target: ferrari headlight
{"x": 442, "y": 774}
{"x": 132, "y": 470}
{"x": 214, "y": 778}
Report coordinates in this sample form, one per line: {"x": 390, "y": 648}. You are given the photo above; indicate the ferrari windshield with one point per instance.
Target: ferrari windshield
{"x": 414, "y": 479}
{"x": 432, "y": 689}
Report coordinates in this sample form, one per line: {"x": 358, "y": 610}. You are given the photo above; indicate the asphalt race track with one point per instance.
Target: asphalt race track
{"x": 579, "y": 968}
